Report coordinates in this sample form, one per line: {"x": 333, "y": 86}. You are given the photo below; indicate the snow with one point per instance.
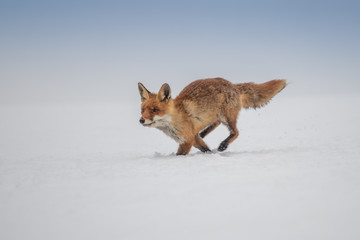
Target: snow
{"x": 91, "y": 171}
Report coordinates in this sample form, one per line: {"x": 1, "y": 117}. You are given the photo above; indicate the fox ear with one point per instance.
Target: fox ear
{"x": 144, "y": 93}
{"x": 164, "y": 93}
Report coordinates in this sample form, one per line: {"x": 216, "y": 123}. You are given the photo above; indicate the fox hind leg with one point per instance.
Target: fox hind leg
{"x": 209, "y": 129}
{"x": 230, "y": 122}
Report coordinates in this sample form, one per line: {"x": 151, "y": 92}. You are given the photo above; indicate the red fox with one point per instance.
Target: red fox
{"x": 201, "y": 107}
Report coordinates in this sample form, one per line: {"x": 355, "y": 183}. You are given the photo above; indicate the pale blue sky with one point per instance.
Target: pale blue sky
{"x": 98, "y": 50}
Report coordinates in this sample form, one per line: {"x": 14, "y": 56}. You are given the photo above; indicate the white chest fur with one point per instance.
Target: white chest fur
{"x": 164, "y": 123}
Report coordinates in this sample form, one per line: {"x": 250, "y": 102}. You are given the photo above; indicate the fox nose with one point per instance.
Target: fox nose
{"x": 142, "y": 120}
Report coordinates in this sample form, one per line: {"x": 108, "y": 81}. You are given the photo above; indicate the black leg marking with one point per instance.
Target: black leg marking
{"x": 204, "y": 149}
{"x": 200, "y": 144}
{"x": 224, "y": 144}
{"x": 208, "y": 129}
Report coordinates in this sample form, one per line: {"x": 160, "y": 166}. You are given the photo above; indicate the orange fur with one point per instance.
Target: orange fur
{"x": 257, "y": 95}
{"x": 201, "y": 107}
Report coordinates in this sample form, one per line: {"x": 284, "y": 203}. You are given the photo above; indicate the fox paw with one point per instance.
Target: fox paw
{"x": 223, "y": 146}
{"x": 204, "y": 149}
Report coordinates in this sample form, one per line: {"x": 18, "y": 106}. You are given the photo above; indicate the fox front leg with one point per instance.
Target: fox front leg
{"x": 184, "y": 148}
{"x": 200, "y": 144}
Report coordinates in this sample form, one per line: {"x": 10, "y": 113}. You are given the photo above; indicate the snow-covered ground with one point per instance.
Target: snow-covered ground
{"x": 93, "y": 172}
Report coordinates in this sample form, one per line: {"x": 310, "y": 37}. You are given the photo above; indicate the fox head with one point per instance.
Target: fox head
{"x": 154, "y": 107}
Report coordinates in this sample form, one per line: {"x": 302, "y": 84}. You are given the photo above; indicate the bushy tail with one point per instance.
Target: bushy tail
{"x": 257, "y": 95}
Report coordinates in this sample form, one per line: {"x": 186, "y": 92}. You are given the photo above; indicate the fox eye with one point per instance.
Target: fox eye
{"x": 155, "y": 110}
{"x": 142, "y": 110}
